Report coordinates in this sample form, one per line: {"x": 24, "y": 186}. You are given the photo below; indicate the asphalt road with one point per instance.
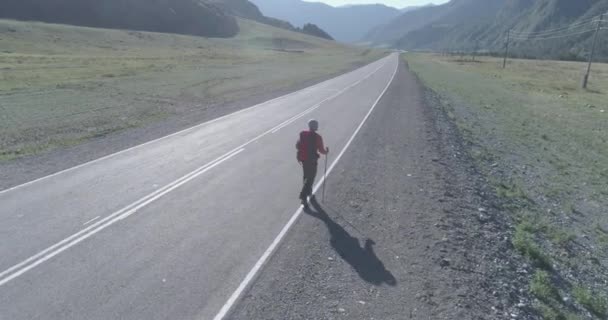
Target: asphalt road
{"x": 175, "y": 228}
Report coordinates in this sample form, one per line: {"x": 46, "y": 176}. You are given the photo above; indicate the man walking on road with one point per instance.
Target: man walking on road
{"x": 308, "y": 145}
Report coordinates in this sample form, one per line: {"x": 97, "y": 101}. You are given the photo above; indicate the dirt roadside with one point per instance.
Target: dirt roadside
{"x": 24, "y": 169}
{"x": 408, "y": 230}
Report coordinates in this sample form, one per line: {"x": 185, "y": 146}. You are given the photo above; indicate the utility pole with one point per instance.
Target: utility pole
{"x": 504, "y": 62}
{"x": 597, "y": 31}
{"x": 475, "y": 50}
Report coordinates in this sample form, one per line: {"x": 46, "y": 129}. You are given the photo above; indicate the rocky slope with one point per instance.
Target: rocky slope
{"x": 191, "y": 17}
{"x": 483, "y": 24}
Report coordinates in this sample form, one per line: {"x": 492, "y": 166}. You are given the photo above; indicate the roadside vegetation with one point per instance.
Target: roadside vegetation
{"x": 62, "y": 85}
{"x": 543, "y": 144}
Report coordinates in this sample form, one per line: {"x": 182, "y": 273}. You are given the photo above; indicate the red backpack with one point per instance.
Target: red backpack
{"x": 307, "y": 146}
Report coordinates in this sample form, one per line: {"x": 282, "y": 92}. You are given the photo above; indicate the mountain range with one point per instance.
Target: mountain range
{"x": 483, "y": 24}
{"x": 347, "y": 23}
{"x": 208, "y": 18}
{"x": 459, "y": 25}
{"x": 248, "y": 10}
{"x": 191, "y": 17}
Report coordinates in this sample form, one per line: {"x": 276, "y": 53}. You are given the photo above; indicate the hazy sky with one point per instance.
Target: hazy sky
{"x": 393, "y": 3}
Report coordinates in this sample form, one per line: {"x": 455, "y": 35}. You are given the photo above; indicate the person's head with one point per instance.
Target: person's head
{"x": 313, "y": 125}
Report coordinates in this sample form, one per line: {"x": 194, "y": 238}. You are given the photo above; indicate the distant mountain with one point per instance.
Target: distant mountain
{"x": 446, "y": 24}
{"x": 412, "y": 8}
{"x": 483, "y": 24}
{"x": 314, "y": 30}
{"x": 248, "y": 10}
{"x": 208, "y": 18}
{"x": 388, "y": 33}
{"x": 346, "y": 24}
{"x": 193, "y": 17}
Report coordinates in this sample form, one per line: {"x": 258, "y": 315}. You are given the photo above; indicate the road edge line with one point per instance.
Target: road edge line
{"x": 106, "y": 224}
{"x": 226, "y": 308}
{"x": 31, "y": 262}
{"x": 32, "y": 259}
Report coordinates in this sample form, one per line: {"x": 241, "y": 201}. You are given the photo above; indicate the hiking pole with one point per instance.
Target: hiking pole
{"x": 325, "y": 177}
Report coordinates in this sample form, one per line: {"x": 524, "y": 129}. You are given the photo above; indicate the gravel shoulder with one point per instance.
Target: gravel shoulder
{"x": 407, "y": 231}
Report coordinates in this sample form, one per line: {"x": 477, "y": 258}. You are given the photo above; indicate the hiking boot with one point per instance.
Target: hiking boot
{"x": 304, "y": 203}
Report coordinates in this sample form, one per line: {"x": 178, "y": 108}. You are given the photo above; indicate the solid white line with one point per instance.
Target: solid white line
{"x": 119, "y": 212}
{"x": 263, "y": 259}
{"x": 42, "y": 256}
{"x": 84, "y": 224}
{"x": 115, "y": 218}
{"x": 181, "y": 131}
{"x": 338, "y": 93}
{"x": 294, "y": 118}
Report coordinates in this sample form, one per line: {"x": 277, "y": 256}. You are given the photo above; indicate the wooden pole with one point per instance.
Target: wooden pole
{"x": 597, "y": 31}
{"x": 504, "y": 62}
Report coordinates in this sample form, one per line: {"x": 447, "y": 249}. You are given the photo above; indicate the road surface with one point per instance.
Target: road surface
{"x": 178, "y": 227}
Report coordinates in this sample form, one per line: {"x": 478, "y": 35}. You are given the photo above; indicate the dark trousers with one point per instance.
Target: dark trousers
{"x": 310, "y": 172}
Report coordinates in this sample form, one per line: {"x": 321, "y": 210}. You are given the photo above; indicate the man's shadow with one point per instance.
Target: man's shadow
{"x": 362, "y": 259}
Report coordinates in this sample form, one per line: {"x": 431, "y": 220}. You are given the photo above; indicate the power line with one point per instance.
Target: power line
{"x": 560, "y": 29}
{"x": 565, "y": 29}
{"x": 550, "y": 34}
{"x": 551, "y": 37}
{"x": 575, "y": 24}
{"x": 562, "y": 32}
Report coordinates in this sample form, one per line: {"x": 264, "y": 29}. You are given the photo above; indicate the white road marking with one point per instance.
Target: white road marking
{"x": 337, "y": 94}
{"x": 264, "y": 258}
{"x": 293, "y": 120}
{"x": 48, "y": 253}
{"x": 42, "y": 256}
{"x": 84, "y": 224}
{"x": 179, "y": 132}
{"x": 290, "y": 120}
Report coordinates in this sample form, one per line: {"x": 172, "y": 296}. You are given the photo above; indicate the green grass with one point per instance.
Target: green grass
{"x": 549, "y": 312}
{"x": 61, "y": 84}
{"x": 595, "y": 303}
{"x": 523, "y": 241}
{"x": 561, "y": 237}
{"x": 550, "y": 304}
{"x": 543, "y": 289}
{"x": 538, "y": 224}
{"x": 510, "y": 191}
{"x": 544, "y": 148}
{"x": 536, "y": 109}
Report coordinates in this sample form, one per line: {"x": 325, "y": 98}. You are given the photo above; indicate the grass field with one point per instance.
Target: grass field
{"x": 543, "y": 142}
{"x": 61, "y": 85}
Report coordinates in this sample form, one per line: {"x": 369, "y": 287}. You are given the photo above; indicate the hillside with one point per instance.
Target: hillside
{"x": 248, "y": 10}
{"x": 483, "y": 24}
{"x": 387, "y": 34}
{"x": 64, "y": 85}
{"x": 190, "y": 17}
{"x": 346, "y": 24}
